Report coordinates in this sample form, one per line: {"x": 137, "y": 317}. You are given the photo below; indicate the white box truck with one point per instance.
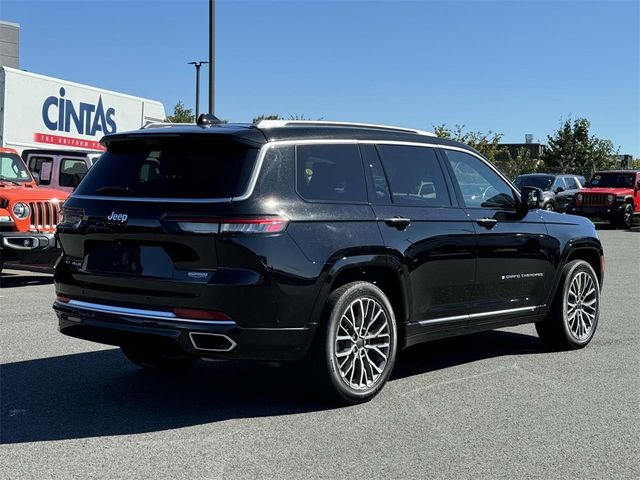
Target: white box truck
{"x": 43, "y": 112}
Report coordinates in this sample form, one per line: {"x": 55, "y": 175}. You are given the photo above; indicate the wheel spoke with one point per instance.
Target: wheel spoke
{"x": 377, "y": 350}
{"x": 371, "y": 362}
{"x": 344, "y": 353}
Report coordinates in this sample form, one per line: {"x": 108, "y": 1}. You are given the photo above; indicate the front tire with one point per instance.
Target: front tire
{"x": 356, "y": 345}
{"x": 626, "y": 216}
{"x": 153, "y": 357}
{"x": 573, "y": 317}
{"x": 549, "y": 207}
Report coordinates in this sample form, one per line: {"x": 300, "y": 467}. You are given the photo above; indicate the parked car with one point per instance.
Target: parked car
{"x": 558, "y": 190}
{"x": 611, "y": 196}
{"x": 59, "y": 169}
{"x": 28, "y": 217}
{"x": 337, "y": 244}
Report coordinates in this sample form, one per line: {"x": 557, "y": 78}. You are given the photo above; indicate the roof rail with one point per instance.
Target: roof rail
{"x": 292, "y": 123}
{"x": 163, "y": 124}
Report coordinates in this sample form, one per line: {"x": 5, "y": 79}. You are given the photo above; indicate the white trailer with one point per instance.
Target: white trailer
{"x": 43, "y": 112}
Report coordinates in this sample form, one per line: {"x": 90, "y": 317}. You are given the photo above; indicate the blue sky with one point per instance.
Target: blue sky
{"x": 512, "y": 67}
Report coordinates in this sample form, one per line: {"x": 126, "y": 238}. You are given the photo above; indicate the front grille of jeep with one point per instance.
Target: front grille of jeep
{"x": 44, "y": 215}
{"x": 594, "y": 199}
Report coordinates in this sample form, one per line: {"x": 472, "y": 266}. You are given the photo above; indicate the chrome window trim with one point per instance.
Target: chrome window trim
{"x": 136, "y": 312}
{"x": 253, "y": 180}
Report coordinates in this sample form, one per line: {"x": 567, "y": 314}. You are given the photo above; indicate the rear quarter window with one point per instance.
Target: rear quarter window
{"x": 330, "y": 173}
{"x": 192, "y": 168}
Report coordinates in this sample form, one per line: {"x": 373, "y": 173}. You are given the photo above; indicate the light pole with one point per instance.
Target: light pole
{"x": 197, "y": 65}
{"x": 212, "y": 48}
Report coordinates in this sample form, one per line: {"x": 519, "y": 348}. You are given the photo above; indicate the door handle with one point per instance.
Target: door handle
{"x": 487, "y": 223}
{"x": 398, "y": 222}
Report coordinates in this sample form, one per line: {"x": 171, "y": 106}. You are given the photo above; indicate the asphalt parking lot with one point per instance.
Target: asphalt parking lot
{"x": 492, "y": 405}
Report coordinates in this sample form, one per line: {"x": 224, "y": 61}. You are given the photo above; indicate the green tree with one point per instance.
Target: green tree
{"x": 488, "y": 144}
{"x": 266, "y": 117}
{"x": 522, "y": 163}
{"x": 181, "y": 114}
{"x": 573, "y": 150}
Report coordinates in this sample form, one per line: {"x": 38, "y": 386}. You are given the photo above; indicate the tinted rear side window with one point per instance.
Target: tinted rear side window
{"x": 414, "y": 176}
{"x": 71, "y": 172}
{"x": 330, "y": 173}
{"x": 172, "y": 168}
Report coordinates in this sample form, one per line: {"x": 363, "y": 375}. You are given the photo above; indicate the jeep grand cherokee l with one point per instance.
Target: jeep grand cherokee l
{"x": 334, "y": 243}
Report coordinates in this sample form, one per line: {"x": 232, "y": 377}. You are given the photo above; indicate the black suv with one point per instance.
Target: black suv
{"x": 557, "y": 190}
{"x": 334, "y": 243}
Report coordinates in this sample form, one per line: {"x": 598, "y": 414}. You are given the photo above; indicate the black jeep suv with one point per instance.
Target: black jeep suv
{"x": 330, "y": 242}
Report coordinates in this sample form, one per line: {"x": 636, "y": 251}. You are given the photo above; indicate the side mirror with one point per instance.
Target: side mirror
{"x": 531, "y": 198}
{"x": 559, "y": 189}
{"x": 36, "y": 177}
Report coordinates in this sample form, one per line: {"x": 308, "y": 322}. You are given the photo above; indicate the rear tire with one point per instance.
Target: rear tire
{"x": 156, "y": 358}
{"x": 573, "y": 317}
{"x": 355, "y": 346}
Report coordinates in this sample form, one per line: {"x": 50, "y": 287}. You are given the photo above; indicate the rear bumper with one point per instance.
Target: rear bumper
{"x": 213, "y": 339}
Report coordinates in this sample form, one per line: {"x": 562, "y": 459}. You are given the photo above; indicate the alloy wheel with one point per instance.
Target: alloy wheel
{"x": 362, "y": 343}
{"x": 582, "y": 306}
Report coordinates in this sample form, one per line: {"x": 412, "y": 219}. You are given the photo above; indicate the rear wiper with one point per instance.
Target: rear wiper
{"x": 5, "y": 179}
{"x": 114, "y": 189}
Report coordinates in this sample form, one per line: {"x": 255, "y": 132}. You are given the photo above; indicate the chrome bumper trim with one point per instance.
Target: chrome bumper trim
{"x": 136, "y": 312}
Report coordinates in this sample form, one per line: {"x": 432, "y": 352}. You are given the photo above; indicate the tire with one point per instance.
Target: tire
{"x": 549, "y": 207}
{"x": 568, "y": 327}
{"x": 351, "y": 367}
{"x": 626, "y": 216}
{"x": 155, "y": 358}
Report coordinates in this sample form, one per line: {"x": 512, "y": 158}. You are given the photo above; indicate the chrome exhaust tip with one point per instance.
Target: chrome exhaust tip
{"x": 211, "y": 342}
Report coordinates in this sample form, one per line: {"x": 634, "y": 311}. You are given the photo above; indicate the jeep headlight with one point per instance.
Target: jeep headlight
{"x": 20, "y": 210}
{"x": 610, "y": 199}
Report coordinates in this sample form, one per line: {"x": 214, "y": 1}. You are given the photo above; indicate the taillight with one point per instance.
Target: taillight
{"x": 579, "y": 199}
{"x": 71, "y": 217}
{"x": 253, "y": 225}
{"x": 195, "y": 314}
{"x": 63, "y": 298}
{"x": 238, "y": 225}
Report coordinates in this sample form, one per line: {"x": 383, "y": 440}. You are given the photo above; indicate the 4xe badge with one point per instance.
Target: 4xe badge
{"x": 118, "y": 217}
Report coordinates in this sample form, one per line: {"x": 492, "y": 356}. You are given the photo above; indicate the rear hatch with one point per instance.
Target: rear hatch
{"x": 142, "y": 224}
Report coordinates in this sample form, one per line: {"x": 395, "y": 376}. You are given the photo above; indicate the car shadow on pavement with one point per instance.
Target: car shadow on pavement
{"x": 99, "y": 393}
{"x": 11, "y": 280}
{"x": 449, "y": 352}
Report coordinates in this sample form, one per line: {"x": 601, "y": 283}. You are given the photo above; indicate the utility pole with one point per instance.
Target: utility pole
{"x": 197, "y": 65}
{"x": 212, "y": 49}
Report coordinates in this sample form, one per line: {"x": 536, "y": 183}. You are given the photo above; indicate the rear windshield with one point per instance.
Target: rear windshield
{"x": 171, "y": 168}
{"x": 543, "y": 183}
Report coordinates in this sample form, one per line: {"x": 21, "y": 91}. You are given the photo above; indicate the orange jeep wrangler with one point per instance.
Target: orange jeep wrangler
{"x": 28, "y": 217}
